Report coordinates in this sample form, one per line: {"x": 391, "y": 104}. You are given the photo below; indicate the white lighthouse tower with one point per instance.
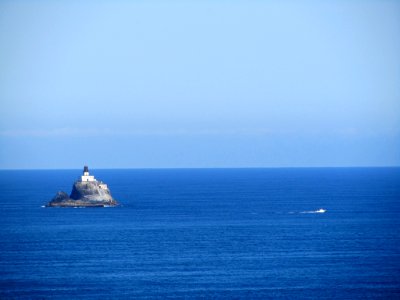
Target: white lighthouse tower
{"x": 86, "y": 176}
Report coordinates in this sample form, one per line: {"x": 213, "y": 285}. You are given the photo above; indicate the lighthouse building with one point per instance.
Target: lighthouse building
{"x": 86, "y": 177}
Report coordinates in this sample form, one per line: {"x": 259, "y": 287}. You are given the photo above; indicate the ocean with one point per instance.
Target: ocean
{"x": 204, "y": 233}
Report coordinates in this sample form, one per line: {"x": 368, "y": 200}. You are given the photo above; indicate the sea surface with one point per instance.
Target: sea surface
{"x": 204, "y": 233}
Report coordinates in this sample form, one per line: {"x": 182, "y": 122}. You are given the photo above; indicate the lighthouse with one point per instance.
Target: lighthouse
{"x": 86, "y": 176}
{"x": 86, "y": 192}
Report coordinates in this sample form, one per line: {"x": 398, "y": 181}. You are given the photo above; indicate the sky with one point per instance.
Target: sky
{"x": 187, "y": 84}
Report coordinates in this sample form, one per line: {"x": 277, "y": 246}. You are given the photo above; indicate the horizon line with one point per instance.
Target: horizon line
{"x": 199, "y": 168}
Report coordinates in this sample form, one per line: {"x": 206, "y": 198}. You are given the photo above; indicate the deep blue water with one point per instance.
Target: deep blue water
{"x": 206, "y": 233}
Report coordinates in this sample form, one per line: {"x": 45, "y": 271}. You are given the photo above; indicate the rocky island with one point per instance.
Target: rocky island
{"x": 86, "y": 192}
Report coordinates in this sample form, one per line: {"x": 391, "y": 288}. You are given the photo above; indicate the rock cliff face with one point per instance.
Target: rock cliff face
{"x": 90, "y": 191}
{"x": 84, "y": 194}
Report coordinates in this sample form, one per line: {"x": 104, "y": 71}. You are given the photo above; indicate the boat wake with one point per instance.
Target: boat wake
{"x": 319, "y": 211}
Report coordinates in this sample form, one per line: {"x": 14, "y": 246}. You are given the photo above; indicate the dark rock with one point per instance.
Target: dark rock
{"x": 60, "y": 196}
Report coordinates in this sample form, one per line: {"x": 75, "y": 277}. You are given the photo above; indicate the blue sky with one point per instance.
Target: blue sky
{"x": 137, "y": 84}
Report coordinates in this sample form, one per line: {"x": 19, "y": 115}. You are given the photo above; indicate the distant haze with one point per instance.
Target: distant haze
{"x": 137, "y": 84}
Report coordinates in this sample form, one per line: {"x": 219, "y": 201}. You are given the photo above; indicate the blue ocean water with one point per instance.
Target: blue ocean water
{"x": 204, "y": 233}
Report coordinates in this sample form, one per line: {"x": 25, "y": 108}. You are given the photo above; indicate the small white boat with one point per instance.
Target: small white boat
{"x": 320, "y": 211}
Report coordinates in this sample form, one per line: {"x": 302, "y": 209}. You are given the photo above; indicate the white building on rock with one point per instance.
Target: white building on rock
{"x": 86, "y": 177}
